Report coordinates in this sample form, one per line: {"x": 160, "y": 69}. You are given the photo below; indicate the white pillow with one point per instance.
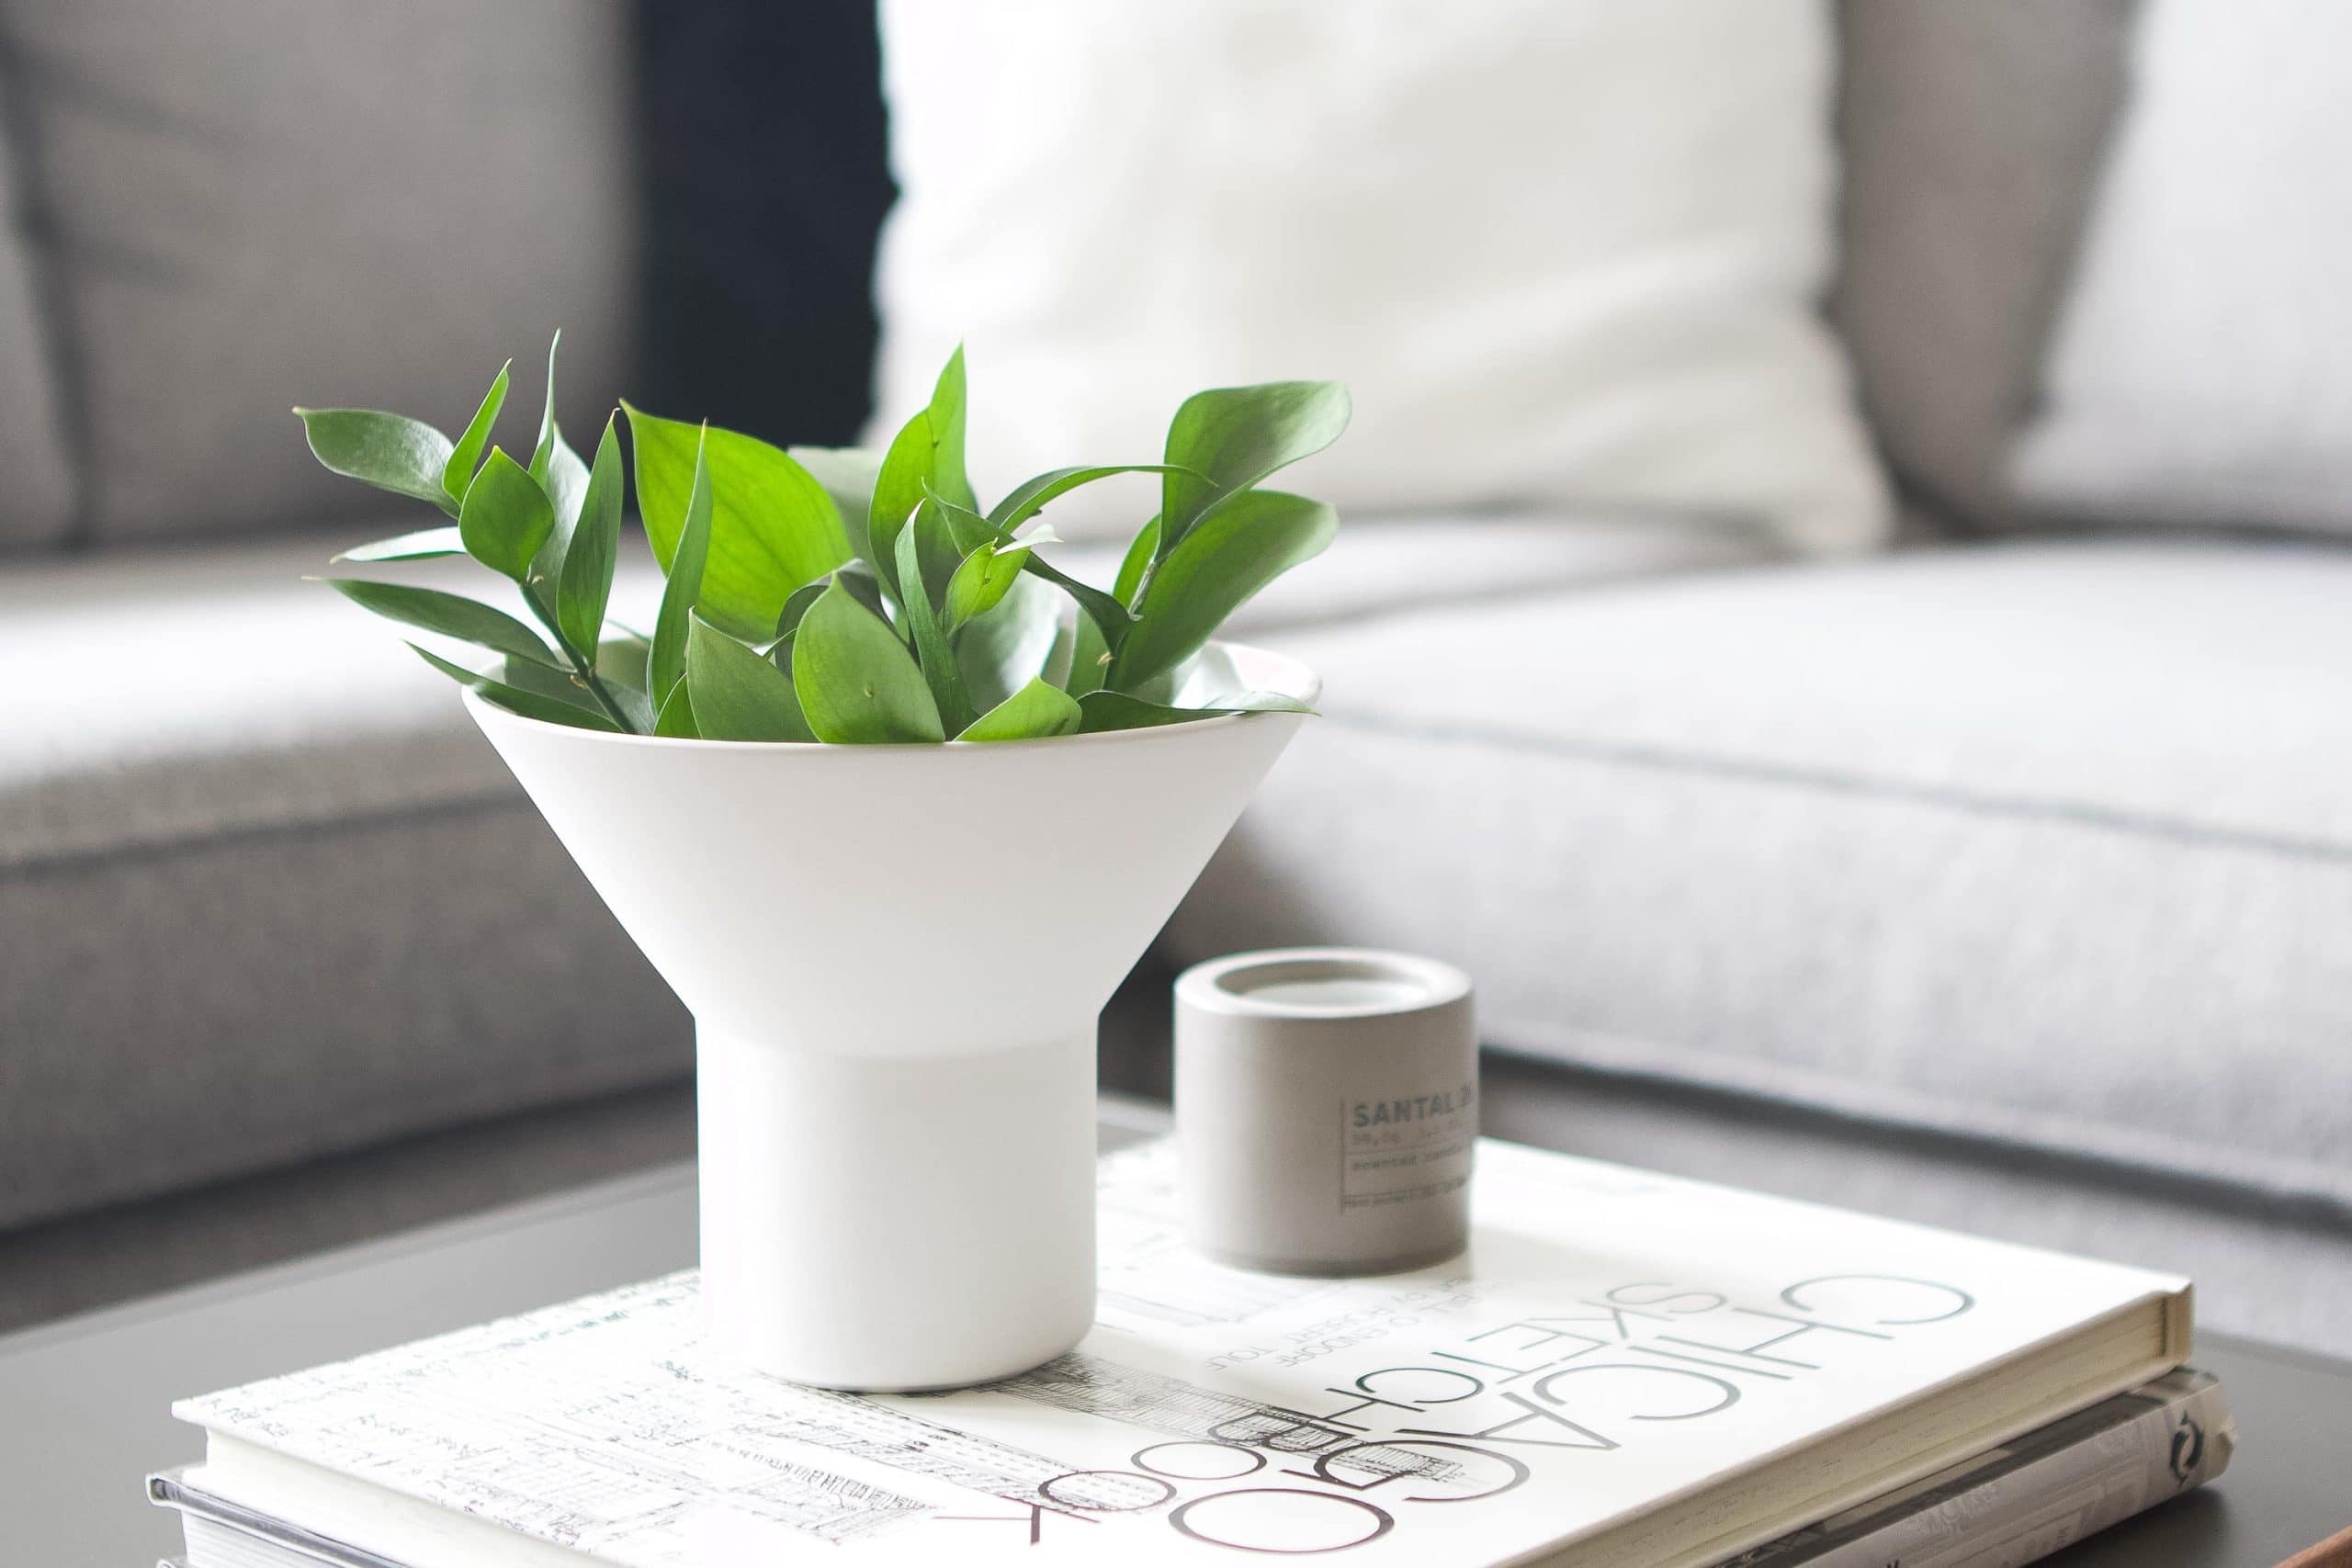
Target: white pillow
{"x": 2201, "y": 371}
{"x": 1565, "y": 252}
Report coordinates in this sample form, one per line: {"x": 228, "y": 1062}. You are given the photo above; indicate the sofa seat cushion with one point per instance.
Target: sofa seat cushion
{"x": 211, "y": 691}
{"x": 2042, "y": 842}
{"x": 199, "y": 693}
{"x": 268, "y": 894}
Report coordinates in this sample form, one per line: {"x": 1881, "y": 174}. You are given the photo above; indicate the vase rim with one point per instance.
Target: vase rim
{"x": 1286, "y": 675}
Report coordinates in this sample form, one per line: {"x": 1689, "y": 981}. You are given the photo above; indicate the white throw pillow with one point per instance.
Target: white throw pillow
{"x": 2202, "y": 368}
{"x": 1559, "y": 251}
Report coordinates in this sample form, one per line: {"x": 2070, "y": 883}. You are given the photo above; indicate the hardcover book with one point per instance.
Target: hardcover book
{"x": 1624, "y": 1369}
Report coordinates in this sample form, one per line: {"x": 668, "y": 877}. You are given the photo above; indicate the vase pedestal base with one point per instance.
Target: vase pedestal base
{"x": 896, "y": 1223}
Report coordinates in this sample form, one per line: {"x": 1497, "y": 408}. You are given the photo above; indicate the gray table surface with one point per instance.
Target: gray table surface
{"x": 84, "y": 1403}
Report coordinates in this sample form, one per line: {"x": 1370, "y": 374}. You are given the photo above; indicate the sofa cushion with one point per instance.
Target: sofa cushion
{"x": 268, "y": 894}
{"x": 39, "y": 505}
{"x": 257, "y": 203}
{"x": 2199, "y": 375}
{"x": 1375, "y": 567}
{"x": 1972, "y": 136}
{"x": 2047, "y": 843}
{"x": 231, "y": 734}
{"x": 1564, "y": 254}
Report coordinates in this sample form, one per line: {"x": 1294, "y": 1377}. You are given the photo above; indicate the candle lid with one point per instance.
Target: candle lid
{"x": 1321, "y": 983}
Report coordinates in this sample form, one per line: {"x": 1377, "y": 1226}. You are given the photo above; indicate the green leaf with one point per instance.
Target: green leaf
{"x": 946, "y": 411}
{"x": 621, "y": 659}
{"x": 422, "y": 544}
{"x": 1116, "y": 710}
{"x": 1031, "y": 496}
{"x": 859, "y": 578}
{"x": 848, "y": 474}
{"x": 772, "y": 527}
{"x": 635, "y": 706}
{"x": 585, "y": 581}
{"x": 967, "y": 529}
{"x": 516, "y": 699}
{"x": 1004, "y": 649}
{"x": 457, "y": 473}
{"x": 543, "y": 453}
{"x": 1234, "y": 436}
{"x": 1248, "y": 541}
{"x": 390, "y": 451}
{"x": 936, "y": 548}
{"x": 980, "y": 582}
{"x": 857, "y": 682}
{"x": 737, "y": 695}
{"x": 620, "y": 670}
{"x": 1089, "y": 659}
{"x": 925, "y": 456}
{"x": 506, "y": 517}
{"x": 1109, "y": 617}
{"x": 899, "y": 487}
{"x": 808, "y": 594}
{"x": 666, "y": 665}
{"x": 450, "y": 615}
{"x": 1141, "y": 552}
{"x": 677, "y": 718}
{"x": 1036, "y": 710}
{"x": 565, "y": 483}
{"x": 933, "y": 650}
{"x": 557, "y": 686}
{"x": 567, "y": 486}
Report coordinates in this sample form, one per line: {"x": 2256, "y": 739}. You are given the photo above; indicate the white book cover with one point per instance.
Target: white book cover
{"x": 1615, "y": 1342}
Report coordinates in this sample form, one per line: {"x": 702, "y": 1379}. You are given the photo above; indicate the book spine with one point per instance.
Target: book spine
{"x": 2023, "y": 1505}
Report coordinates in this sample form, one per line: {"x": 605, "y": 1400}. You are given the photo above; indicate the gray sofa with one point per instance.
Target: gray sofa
{"x": 1994, "y": 881}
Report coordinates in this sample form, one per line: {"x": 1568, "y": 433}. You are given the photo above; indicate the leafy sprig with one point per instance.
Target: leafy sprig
{"x": 838, "y": 595}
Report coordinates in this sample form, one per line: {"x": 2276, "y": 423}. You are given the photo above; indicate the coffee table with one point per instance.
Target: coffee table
{"x": 84, "y": 1403}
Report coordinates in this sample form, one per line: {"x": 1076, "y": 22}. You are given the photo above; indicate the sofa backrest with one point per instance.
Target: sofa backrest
{"x": 246, "y": 204}
{"x": 1974, "y": 134}
{"x": 242, "y": 204}
{"x": 38, "y": 507}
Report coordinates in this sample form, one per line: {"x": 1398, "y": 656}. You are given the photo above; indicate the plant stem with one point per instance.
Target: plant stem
{"x": 584, "y": 669}
{"x": 588, "y": 674}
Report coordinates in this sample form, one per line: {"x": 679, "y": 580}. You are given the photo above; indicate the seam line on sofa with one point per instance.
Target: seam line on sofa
{"x": 1827, "y": 780}
{"x": 35, "y": 867}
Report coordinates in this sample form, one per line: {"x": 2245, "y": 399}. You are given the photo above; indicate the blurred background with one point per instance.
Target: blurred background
{"x": 1842, "y": 624}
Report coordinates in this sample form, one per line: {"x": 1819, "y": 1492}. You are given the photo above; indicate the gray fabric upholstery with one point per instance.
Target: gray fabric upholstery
{"x": 1377, "y": 566}
{"x": 1972, "y": 135}
{"x": 2036, "y": 842}
{"x": 2197, "y": 373}
{"x": 180, "y": 1013}
{"x": 263, "y": 907}
{"x": 230, "y": 735}
{"x": 265, "y": 202}
{"x": 136, "y": 752}
{"x": 38, "y": 507}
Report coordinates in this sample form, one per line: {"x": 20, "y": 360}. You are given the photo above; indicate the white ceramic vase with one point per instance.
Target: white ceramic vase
{"x": 895, "y": 956}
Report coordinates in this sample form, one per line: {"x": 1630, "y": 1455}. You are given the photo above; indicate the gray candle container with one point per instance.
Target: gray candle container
{"x": 1327, "y": 1110}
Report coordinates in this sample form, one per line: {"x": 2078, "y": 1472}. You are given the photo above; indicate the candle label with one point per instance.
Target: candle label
{"x": 1407, "y": 1148}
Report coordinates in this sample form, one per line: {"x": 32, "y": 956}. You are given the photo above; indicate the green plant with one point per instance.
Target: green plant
{"x": 835, "y": 594}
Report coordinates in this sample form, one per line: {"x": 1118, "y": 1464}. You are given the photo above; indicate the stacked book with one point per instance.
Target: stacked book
{"x": 1626, "y": 1370}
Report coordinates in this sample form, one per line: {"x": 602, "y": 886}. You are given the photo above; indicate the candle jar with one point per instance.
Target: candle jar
{"x": 1327, "y": 1110}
